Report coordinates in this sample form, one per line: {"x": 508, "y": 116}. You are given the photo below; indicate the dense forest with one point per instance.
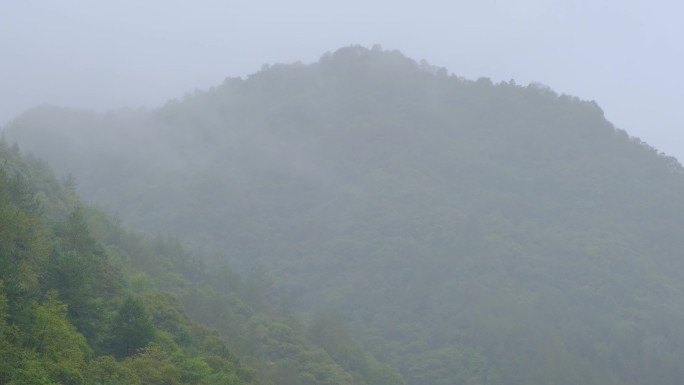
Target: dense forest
{"x": 85, "y": 301}
{"x": 463, "y": 231}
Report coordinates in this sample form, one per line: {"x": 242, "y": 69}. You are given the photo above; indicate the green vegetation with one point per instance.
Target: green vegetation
{"x": 84, "y": 301}
{"x": 463, "y": 231}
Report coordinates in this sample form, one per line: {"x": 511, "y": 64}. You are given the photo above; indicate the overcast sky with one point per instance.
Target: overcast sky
{"x": 627, "y": 55}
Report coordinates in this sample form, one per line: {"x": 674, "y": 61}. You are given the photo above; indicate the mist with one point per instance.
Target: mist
{"x": 341, "y": 193}
{"x": 624, "y": 54}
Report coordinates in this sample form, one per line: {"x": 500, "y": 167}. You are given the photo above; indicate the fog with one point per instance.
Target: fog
{"x": 363, "y": 204}
{"x": 624, "y": 54}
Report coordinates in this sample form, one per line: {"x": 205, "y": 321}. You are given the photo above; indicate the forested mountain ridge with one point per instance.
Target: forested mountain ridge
{"x": 85, "y": 301}
{"x": 474, "y": 233}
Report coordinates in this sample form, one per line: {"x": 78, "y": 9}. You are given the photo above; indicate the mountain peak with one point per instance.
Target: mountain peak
{"x": 472, "y": 230}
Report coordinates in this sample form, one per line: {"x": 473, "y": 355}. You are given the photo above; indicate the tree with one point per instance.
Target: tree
{"x": 75, "y": 233}
{"x": 57, "y": 349}
{"x": 132, "y": 328}
{"x": 153, "y": 367}
{"x": 9, "y": 354}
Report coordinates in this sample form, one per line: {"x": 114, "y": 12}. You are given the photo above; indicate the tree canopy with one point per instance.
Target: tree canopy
{"x": 85, "y": 301}
{"x": 466, "y": 232}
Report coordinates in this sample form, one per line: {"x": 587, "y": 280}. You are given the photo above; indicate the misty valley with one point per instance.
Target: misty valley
{"x": 364, "y": 219}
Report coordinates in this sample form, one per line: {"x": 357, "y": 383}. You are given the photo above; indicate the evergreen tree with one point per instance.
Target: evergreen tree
{"x": 131, "y": 329}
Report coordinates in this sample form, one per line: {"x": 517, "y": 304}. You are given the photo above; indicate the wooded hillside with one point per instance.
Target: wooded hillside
{"x": 469, "y": 232}
{"x": 85, "y": 301}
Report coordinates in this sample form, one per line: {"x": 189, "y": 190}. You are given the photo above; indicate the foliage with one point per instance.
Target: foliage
{"x": 131, "y": 330}
{"x": 62, "y": 303}
{"x": 467, "y": 232}
{"x": 89, "y": 302}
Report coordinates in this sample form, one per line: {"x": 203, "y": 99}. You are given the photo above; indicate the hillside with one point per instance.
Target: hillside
{"x": 85, "y": 301}
{"x": 470, "y": 232}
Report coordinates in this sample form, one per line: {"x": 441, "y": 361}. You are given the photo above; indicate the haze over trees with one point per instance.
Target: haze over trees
{"x": 466, "y": 232}
{"x": 85, "y": 301}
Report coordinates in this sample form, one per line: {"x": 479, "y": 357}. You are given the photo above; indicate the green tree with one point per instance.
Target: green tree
{"x": 106, "y": 370}
{"x": 131, "y": 329}
{"x": 154, "y": 367}
{"x": 195, "y": 371}
{"x": 55, "y": 344}
{"x": 75, "y": 233}
{"x": 9, "y": 353}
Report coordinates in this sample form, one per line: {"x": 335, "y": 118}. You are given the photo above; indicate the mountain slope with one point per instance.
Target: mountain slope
{"x": 471, "y": 232}
{"x": 85, "y": 301}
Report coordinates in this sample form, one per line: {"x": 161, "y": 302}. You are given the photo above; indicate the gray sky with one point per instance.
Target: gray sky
{"x": 627, "y": 55}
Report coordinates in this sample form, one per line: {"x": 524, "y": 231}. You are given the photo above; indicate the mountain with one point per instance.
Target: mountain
{"x": 85, "y": 301}
{"x": 469, "y": 232}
